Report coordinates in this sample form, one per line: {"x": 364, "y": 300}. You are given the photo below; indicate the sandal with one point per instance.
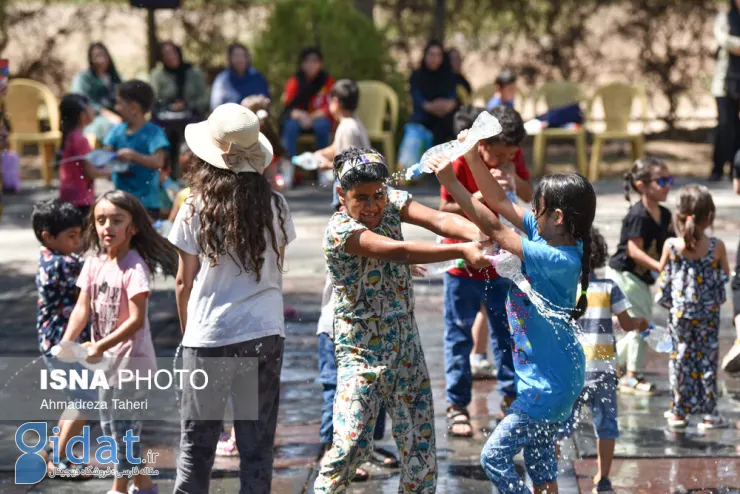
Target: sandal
{"x": 637, "y": 386}
{"x": 676, "y": 422}
{"x": 458, "y": 416}
{"x": 381, "y": 457}
{"x": 713, "y": 422}
{"x": 226, "y": 445}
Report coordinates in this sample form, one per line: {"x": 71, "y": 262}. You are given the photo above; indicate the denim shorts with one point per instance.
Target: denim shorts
{"x": 602, "y": 400}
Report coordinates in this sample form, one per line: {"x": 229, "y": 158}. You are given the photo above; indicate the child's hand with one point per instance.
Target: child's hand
{"x": 443, "y": 169}
{"x": 472, "y": 154}
{"x": 126, "y": 154}
{"x": 419, "y": 271}
{"x": 474, "y": 255}
{"x": 93, "y": 351}
{"x": 504, "y": 179}
{"x": 641, "y": 324}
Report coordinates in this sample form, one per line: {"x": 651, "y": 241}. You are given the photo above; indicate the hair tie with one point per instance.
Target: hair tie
{"x": 583, "y": 292}
{"x": 689, "y": 217}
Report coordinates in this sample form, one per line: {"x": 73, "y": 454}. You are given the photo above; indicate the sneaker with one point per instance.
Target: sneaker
{"x": 226, "y": 446}
{"x": 482, "y": 368}
{"x": 132, "y": 489}
{"x": 713, "y": 422}
{"x": 603, "y": 487}
{"x": 676, "y": 423}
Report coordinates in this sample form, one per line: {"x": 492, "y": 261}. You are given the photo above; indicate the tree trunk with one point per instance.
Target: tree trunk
{"x": 439, "y": 20}
{"x": 364, "y": 6}
{"x": 151, "y": 27}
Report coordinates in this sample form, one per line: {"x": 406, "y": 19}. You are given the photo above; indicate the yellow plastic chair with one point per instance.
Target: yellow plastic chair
{"x": 616, "y": 100}
{"x": 557, "y": 94}
{"x": 23, "y": 102}
{"x": 378, "y": 102}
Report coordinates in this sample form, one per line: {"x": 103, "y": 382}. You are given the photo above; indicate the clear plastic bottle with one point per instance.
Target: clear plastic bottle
{"x": 510, "y": 266}
{"x": 659, "y": 339}
{"x": 443, "y": 266}
{"x": 307, "y": 161}
{"x": 485, "y": 126}
{"x": 73, "y": 352}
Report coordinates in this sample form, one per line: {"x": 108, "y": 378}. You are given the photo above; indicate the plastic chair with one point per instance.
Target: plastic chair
{"x": 617, "y": 100}
{"x": 557, "y": 94}
{"x": 25, "y": 98}
{"x": 376, "y": 100}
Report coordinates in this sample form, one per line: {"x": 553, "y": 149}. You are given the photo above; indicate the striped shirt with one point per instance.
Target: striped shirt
{"x": 597, "y": 337}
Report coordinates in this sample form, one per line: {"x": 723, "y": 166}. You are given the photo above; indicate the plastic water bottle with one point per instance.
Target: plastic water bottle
{"x": 485, "y": 126}
{"x": 443, "y": 266}
{"x": 72, "y": 352}
{"x": 658, "y": 338}
{"x": 510, "y": 266}
{"x": 307, "y": 161}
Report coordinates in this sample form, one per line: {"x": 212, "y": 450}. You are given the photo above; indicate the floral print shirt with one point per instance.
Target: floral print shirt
{"x": 55, "y": 280}
{"x": 366, "y": 288}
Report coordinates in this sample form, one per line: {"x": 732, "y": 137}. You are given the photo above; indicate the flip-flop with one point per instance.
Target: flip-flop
{"x": 379, "y": 457}
{"x": 452, "y": 416}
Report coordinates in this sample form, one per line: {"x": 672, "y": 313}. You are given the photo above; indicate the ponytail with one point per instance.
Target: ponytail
{"x": 582, "y": 304}
{"x": 629, "y": 184}
{"x": 689, "y": 232}
{"x": 695, "y": 209}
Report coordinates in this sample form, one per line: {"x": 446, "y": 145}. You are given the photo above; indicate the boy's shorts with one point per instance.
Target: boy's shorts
{"x": 77, "y": 393}
{"x": 602, "y": 400}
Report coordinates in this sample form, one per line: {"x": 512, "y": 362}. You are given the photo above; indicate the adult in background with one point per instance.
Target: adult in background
{"x": 306, "y": 100}
{"x": 434, "y": 93}
{"x": 182, "y": 96}
{"x": 726, "y": 88}
{"x": 98, "y": 82}
{"x": 463, "y": 89}
{"x": 239, "y": 81}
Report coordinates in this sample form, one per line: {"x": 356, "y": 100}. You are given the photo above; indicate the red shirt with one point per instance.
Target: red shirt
{"x": 74, "y": 186}
{"x": 465, "y": 176}
{"x": 318, "y": 102}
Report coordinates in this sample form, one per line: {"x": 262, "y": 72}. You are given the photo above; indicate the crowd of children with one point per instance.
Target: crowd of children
{"x": 226, "y": 249}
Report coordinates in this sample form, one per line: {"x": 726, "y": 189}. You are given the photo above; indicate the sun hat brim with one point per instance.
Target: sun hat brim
{"x": 198, "y": 138}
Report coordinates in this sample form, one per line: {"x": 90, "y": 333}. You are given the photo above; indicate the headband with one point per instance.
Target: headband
{"x": 362, "y": 159}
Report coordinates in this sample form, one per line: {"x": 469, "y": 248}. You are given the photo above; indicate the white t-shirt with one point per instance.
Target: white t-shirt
{"x": 350, "y": 133}
{"x": 227, "y": 305}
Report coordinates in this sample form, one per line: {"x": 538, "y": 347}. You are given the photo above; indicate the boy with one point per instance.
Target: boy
{"x": 505, "y": 90}
{"x": 58, "y": 226}
{"x": 140, "y": 143}
{"x": 600, "y": 392}
{"x": 467, "y": 289}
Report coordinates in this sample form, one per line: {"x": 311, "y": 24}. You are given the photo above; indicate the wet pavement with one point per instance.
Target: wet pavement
{"x": 649, "y": 458}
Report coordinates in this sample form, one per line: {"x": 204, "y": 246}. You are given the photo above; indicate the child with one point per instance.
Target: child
{"x": 10, "y": 171}
{"x": 231, "y": 237}
{"x": 115, "y": 289}
{"x": 183, "y": 162}
{"x": 597, "y": 337}
{"x": 77, "y": 177}
{"x": 505, "y": 90}
{"x": 731, "y": 361}
{"x": 140, "y": 143}
{"x": 58, "y": 226}
{"x": 467, "y": 290}
{"x": 168, "y": 190}
{"x": 548, "y": 361}
{"x": 635, "y": 265}
{"x": 378, "y": 353}
{"x": 694, "y": 269}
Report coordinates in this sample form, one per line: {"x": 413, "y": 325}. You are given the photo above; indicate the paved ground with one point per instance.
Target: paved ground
{"x": 649, "y": 459}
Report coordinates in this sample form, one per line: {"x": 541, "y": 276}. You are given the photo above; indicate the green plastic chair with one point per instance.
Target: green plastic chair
{"x": 617, "y": 100}
{"x": 557, "y": 94}
{"x": 378, "y": 104}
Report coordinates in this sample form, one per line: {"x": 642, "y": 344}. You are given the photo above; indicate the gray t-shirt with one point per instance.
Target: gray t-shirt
{"x": 226, "y": 305}
{"x": 351, "y": 133}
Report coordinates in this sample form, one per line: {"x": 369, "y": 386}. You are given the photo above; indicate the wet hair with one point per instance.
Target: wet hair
{"x": 153, "y": 248}
{"x": 599, "y": 250}
{"x": 464, "y": 117}
{"x": 138, "y": 92}
{"x": 112, "y": 72}
{"x": 232, "y": 48}
{"x": 308, "y": 51}
{"x": 347, "y": 92}
{"x": 695, "y": 207}
{"x": 512, "y": 127}
{"x": 235, "y": 213}
{"x": 641, "y": 170}
{"x": 71, "y": 109}
{"x": 54, "y": 216}
{"x": 574, "y": 195}
{"x": 361, "y": 174}
{"x": 505, "y": 77}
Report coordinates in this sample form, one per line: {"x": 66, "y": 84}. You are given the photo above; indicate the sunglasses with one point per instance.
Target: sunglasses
{"x": 662, "y": 181}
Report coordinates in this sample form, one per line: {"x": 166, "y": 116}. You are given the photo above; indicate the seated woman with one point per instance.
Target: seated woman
{"x": 182, "y": 95}
{"x": 99, "y": 83}
{"x": 434, "y": 93}
{"x": 463, "y": 89}
{"x": 239, "y": 81}
{"x": 306, "y": 100}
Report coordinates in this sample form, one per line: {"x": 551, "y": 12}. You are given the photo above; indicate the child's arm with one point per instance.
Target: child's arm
{"x": 635, "y": 251}
{"x": 153, "y": 161}
{"x": 79, "y": 317}
{"x": 137, "y": 315}
{"x": 187, "y": 267}
{"x": 721, "y": 254}
{"x": 368, "y": 244}
{"x": 449, "y": 225}
{"x": 477, "y": 212}
{"x": 93, "y": 172}
{"x": 665, "y": 256}
{"x": 629, "y": 323}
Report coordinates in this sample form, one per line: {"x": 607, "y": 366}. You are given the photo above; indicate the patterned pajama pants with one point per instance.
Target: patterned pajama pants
{"x": 693, "y": 365}
{"x": 381, "y": 362}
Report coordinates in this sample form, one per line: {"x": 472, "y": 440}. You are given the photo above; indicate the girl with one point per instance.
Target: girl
{"x": 231, "y": 236}
{"x": 77, "y": 177}
{"x": 548, "y": 360}
{"x": 694, "y": 269}
{"x": 115, "y": 289}
{"x": 634, "y": 267}
{"x": 376, "y": 342}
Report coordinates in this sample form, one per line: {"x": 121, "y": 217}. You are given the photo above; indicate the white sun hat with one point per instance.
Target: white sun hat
{"x": 231, "y": 140}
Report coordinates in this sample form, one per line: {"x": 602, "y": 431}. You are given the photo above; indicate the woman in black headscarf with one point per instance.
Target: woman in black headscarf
{"x": 433, "y": 91}
{"x": 726, "y": 88}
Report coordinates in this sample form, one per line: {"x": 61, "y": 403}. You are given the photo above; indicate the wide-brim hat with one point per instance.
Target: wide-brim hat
{"x": 231, "y": 140}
